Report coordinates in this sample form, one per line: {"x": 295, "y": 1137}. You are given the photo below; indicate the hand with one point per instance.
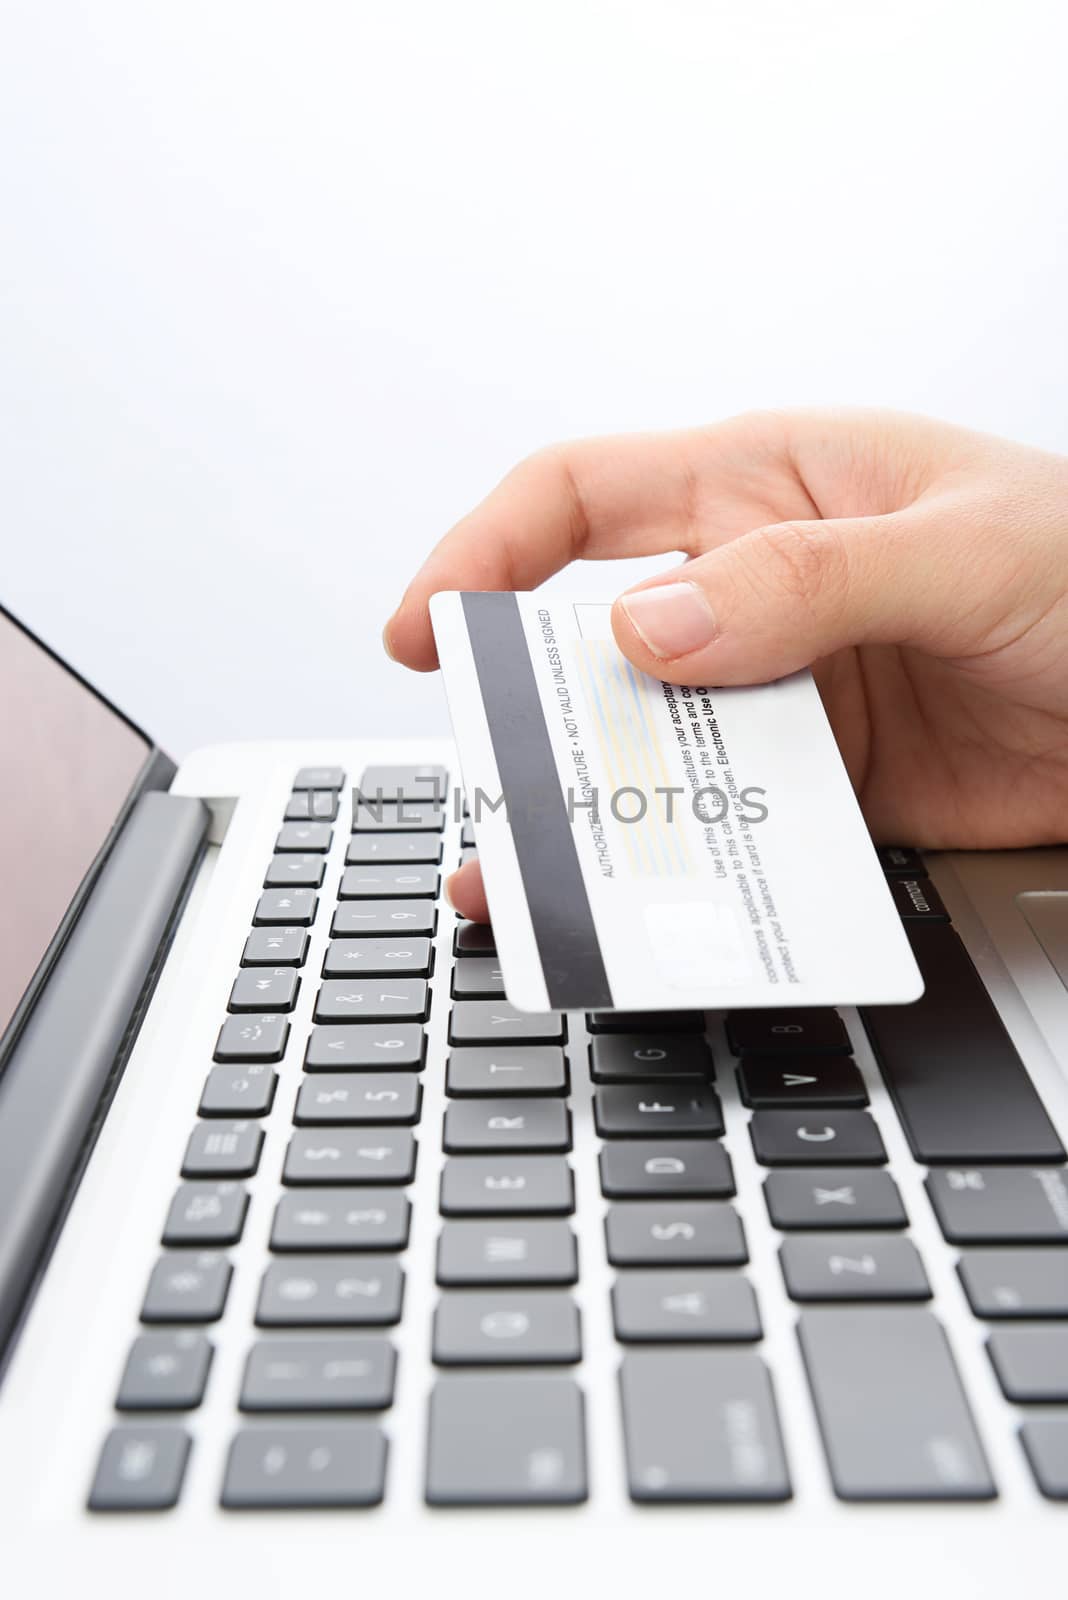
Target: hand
{"x": 920, "y": 569}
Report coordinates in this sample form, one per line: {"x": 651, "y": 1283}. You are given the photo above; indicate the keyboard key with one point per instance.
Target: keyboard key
{"x": 304, "y": 837}
{"x": 483, "y": 1185}
{"x": 649, "y": 1307}
{"x": 1016, "y": 1283}
{"x": 425, "y": 782}
{"x": 359, "y": 1098}
{"x": 396, "y": 1045}
{"x": 317, "y": 1373}
{"x": 701, "y": 1425}
{"x": 490, "y": 1021}
{"x": 538, "y": 1459}
{"x": 165, "y": 1372}
{"x": 899, "y": 860}
{"x": 1045, "y": 1441}
{"x": 252, "y": 1038}
{"x": 834, "y": 1197}
{"x": 223, "y": 1150}
{"x": 349, "y": 1155}
{"x": 333, "y": 1464}
{"x": 286, "y": 871}
{"x": 620, "y": 1057}
{"x": 894, "y": 1417}
{"x": 960, "y": 1089}
{"x": 634, "y": 1169}
{"x": 395, "y": 883}
{"x": 408, "y": 918}
{"x": 816, "y": 1081}
{"x": 319, "y": 778}
{"x": 473, "y": 939}
{"x": 375, "y": 849}
{"x": 796, "y": 1138}
{"x": 329, "y": 1291}
{"x": 917, "y": 899}
{"x": 410, "y": 816}
{"x": 467, "y": 835}
{"x": 376, "y": 958}
{"x": 275, "y": 947}
{"x": 317, "y": 805}
{"x": 813, "y": 1031}
{"x": 529, "y": 1069}
{"x": 501, "y": 1329}
{"x": 1001, "y": 1205}
{"x": 853, "y": 1266}
{"x": 1031, "y": 1363}
{"x": 645, "y": 1021}
{"x": 187, "y": 1288}
{"x": 487, "y": 1125}
{"x": 342, "y": 1219}
{"x": 206, "y": 1213}
{"x": 506, "y": 1251}
{"x": 382, "y": 999}
{"x": 476, "y": 979}
{"x": 140, "y": 1469}
{"x": 238, "y": 1091}
{"x": 702, "y": 1233}
{"x": 281, "y": 907}
{"x": 657, "y": 1110}
{"x": 264, "y": 989}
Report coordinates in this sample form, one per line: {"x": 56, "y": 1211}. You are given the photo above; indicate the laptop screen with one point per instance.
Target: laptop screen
{"x": 67, "y": 764}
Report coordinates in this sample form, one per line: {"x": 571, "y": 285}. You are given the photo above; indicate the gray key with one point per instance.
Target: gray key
{"x": 421, "y": 782}
{"x": 892, "y": 1411}
{"x": 381, "y": 999}
{"x": 285, "y": 871}
{"x": 1045, "y": 1440}
{"x": 507, "y": 1250}
{"x": 320, "y": 778}
{"x": 853, "y": 1266}
{"x": 319, "y": 805}
{"x": 411, "y": 816}
{"x": 393, "y": 1045}
{"x": 404, "y": 918}
{"x": 304, "y": 837}
{"x": 706, "y": 1233}
{"x": 317, "y": 1373}
{"x": 816, "y": 1137}
{"x": 252, "y": 1038}
{"x": 482, "y": 1185}
{"x": 286, "y": 907}
{"x": 507, "y": 1125}
{"x": 223, "y": 1150}
{"x": 1031, "y": 1362}
{"x": 701, "y": 1425}
{"x": 467, "y": 834}
{"x": 187, "y": 1288}
{"x": 367, "y": 849}
{"x": 270, "y": 947}
{"x": 407, "y": 882}
{"x": 1016, "y": 1283}
{"x": 342, "y": 1219}
{"x": 637, "y": 1169}
{"x": 539, "y": 1328}
{"x": 476, "y": 979}
{"x": 695, "y": 1306}
{"x": 349, "y": 1155}
{"x": 376, "y": 958}
{"x": 648, "y": 1057}
{"x": 995, "y": 1205}
{"x": 331, "y": 1291}
{"x": 335, "y": 1464}
{"x": 140, "y": 1469}
{"x": 538, "y": 1458}
{"x": 493, "y": 1021}
{"x": 359, "y": 1097}
{"x": 165, "y": 1372}
{"x": 238, "y": 1091}
{"x": 657, "y": 1110}
{"x": 264, "y": 989}
{"x": 834, "y": 1197}
{"x": 520, "y": 1069}
{"x": 473, "y": 939}
{"x": 206, "y": 1213}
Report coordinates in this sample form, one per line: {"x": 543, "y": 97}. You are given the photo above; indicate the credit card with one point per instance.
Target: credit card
{"x": 647, "y": 847}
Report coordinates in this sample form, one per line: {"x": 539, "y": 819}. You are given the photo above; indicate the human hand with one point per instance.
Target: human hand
{"x": 921, "y": 570}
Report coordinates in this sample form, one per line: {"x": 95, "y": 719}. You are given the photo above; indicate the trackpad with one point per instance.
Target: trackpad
{"x": 1046, "y": 912}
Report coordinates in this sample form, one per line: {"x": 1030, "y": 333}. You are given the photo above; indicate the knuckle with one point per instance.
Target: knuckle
{"x": 807, "y": 563}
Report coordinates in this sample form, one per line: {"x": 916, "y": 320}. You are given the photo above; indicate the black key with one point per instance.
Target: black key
{"x": 408, "y": 816}
{"x": 165, "y": 1372}
{"x": 528, "y": 1069}
{"x": 405, "y": 882}
{"x": 265, "y": 989}
{"x": 223, "y": 1150}
{"x": 508, "y": 1250}
{"x": 140, "y": 1469}
{"x": 816, "y": 1081}
{"x": 917, "y": 900}
{"x": 487, "y": 1125}
{"x": 898, "y": 860}
{"x": 1001, "y": 1205}
{"x": 271, "y": 947}
{"x": 258, "y": 1037}
{"x": 206, "y": 1213}
{"x": 645, "y": 1021}
{"x": 960, "y": 1089}
{"x": 238, "y": 1091}
{"x": 376, "y": 958}
{"x": 538, "y": 1459}
{"x": 834, "y": 1197}
{"x": 350, "y": 1155}
{"x": 319, "y": 778}
{"x": 304, "y": 837}
{"x": 621, "y": 1057}
{"x": 342, "y": 1219}
{"x": 1016, "y": 1283}
{"x": 696, "y": 1306}
{"x": 813, "y": 1031}
{"x": 853, "y": 1266}
{"x": 495, "y": 1021}
{"x": 476, "y": 979}
{"x": 286, "y": 907}
{"x": 361, "y": 1098}
{"x": 331, "y": 1291}
{"x": 287, "y": 871}
{"x": 657, "y": 1110}
{"x": 501, "y": 1328}
{"x": 317, "y": 805}
{"x": 406, "y": 918}
{"x": 187, "y": 1288}
{"x": 1031, "y": 1362}
{"x": 506, "y": 1185}
{"x": 701, "y": 1425}
{"x": 797, "y": 1138}
{"x": 380, "y": 1000}
{"x": 396, "y": 1045}
{"x": 374, "y": 849}
{"x": 894, "y": 1417}
{"x": 343, "y": 1372}
{"x": 1045, "y": 1441}
{"x": 473, "y": 939}
{"x": 333, "y": 1464}
{"x": 700, "y": 1233}
{"x": 638, "y": 1169}
{"x": 425, "y": 782}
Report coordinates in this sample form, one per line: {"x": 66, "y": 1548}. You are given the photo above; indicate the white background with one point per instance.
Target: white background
{"x": 284, "y": 288}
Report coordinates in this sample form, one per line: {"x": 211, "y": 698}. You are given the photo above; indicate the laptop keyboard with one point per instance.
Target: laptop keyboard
{"x": 507, "y": 1421}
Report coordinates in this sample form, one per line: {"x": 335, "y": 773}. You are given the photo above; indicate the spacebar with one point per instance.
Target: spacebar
{"x": 959, "y": 1086}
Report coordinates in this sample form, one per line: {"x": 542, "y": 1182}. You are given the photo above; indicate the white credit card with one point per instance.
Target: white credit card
{"x": 648, "y": 847}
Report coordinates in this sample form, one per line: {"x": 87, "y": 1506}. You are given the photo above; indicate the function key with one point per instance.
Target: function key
{"x": 816, "y": 1081}
{"x": 799, "y": 1138}
{"x": 360, "y": 918}
{"x": 1045, "y": 1441}
{"x": 304, "y": 837}
{"x": 538, "y": 1459}
{"x": 339, "y": 1373}
{"x": 379, "y": 1000}
{"x": 165, "y": 1372}
{"x": 263, "y": 990}
{"x": 187, "y": 1288}
{"x": 703, "y": 1233}
{"x": 1016, "y": 1283}
{"x": 295, "y": 907}
{"x": 238, "y": 1091}
{"x": 645, "y": 1021}
{"x": 506, "y": 1185}
{"x": 331, "y": 1291}
{"x": 140, "y": 1469}
{"x": 382, "y": 882}
{"x": 333, "y": 1464}
{"x": 396, "y": 1046}
{"x": 475, "y": 979}
{"x": 855, "y": 1266}
{"x": 900, "y": 860}
{"x": 359, "y": 1097}
{"x": 275, "y": 947}
{"x": 367, "y": 849}
{"x": 487, "y": 1125}
{"x": 518, "y": 1070}
{"x": 489, "y": 1328}
{"x": 288, "y": 870}
{"x": 252, "y": 1038}
{"x": 506, "y": 1250}
{"x": 422, "y": 782}
{"x": 342, "y": 1219}
{"x": 917, "y": 900}
{"x": 319, "y": 778}
{"x": 206, "y": 1213}
{"x": 619, "y": 1057}
{"x": 654, "y": 1110}
{"x": 348, "y": 1155}
{"x": 223, "y": 1150}
{"x": 473, "y": 939}
{"x": 701, "y": 1306}
{"x": 1031, "y": 1363}
{"x": 1000, "y": 1205}
{"x": 376, "y": 957}
{"x": 765, "y": 1033}
{"x": 314, "y": 805}
{"x": 639, "y": 1169}
{"x": 834, "y": 1197}
{"x": 490, "y": 1021}
{"x": 405, "y": 816}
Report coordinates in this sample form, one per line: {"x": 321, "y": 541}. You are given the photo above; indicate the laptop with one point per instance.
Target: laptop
{"x": 323, "y": 1270}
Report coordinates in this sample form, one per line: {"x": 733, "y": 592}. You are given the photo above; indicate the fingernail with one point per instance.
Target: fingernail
{"x": 671, "y": 619}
